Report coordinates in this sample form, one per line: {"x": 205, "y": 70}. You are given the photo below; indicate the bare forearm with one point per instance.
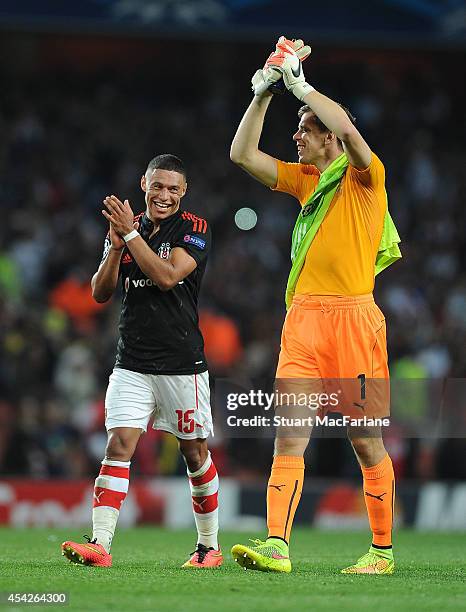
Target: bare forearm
{"x": 105, "y": 280}
{"x": 246, "y": 140}
{"x": 245, "y": 146}
{"x": 160, "y": 271}
{"x": 330, "y": 113}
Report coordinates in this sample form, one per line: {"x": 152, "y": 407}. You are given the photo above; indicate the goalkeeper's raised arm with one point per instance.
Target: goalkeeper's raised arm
{"x": 245, "y": 146}
{"x": 337, "y": 121}
{"x": 288, "y": 62}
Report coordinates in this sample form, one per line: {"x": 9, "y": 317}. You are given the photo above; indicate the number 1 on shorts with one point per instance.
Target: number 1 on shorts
{"x": 362, "y": 378}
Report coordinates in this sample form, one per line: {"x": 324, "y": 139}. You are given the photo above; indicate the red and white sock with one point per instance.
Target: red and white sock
{"x": 204, "y": 492}
{"x": 111, "y": 488}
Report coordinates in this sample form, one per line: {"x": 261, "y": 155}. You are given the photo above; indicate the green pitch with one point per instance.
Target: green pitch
{"x": 430, "y": 574}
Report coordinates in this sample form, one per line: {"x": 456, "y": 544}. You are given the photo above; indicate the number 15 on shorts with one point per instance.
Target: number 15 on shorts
{"x": 185, "y": 421}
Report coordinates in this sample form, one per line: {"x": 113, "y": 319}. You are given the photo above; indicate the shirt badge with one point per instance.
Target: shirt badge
{"x": 198, "y": 242}
{"x": 164, "y": 250}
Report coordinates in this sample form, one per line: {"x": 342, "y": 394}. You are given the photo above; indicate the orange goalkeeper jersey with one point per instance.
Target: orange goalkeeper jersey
{"x": 341, "y": 258}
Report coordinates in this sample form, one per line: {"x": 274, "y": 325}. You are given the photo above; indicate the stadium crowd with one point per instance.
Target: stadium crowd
{"x": 70, "y": 135}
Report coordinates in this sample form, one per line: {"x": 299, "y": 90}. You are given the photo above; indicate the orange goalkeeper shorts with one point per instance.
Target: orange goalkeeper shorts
{"x": 333, "y": 337}
{"x": 332, "y": 343}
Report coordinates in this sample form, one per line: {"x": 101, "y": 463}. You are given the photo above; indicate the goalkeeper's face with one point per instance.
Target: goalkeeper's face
{"x": 164, "y": 190}
{"x": 310, "y": 141}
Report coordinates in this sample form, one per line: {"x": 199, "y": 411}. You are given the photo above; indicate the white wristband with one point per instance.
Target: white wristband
{"x": 131, "y": 235}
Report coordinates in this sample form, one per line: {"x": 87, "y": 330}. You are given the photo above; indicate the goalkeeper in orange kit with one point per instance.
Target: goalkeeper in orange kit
{"x": 333, "y": 329}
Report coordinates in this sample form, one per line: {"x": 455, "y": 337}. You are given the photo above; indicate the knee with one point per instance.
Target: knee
{"x": 194, "y": 454}
{"x": 368, "y": 450}
{"x": 361, "y": 446}
{"x": 293, "y": 447}
{"x": 119, "y": 448}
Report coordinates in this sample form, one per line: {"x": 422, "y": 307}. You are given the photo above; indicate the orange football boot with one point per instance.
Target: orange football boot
{"x": 86, "y": 554}
{"x": 204, "y": 557}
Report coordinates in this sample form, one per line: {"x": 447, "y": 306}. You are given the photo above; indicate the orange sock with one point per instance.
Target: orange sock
{"x": 379, "y": 495}
{"x": 283, "y": 494}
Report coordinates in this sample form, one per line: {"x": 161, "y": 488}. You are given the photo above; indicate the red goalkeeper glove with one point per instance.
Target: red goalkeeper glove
{"x": 270, "y": 77}
{"x": 286, "y": 61}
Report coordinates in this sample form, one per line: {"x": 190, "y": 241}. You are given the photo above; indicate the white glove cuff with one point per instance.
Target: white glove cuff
{"x": 300, "y": 90}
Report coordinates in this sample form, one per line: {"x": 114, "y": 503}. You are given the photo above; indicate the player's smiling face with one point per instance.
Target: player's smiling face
{"x": 310, "y": 141}
{"x": 164, "y": 190}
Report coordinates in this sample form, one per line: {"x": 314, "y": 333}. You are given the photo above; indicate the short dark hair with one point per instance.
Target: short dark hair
{"x": 318, "y": 123}
{"x": 166, "y": 161}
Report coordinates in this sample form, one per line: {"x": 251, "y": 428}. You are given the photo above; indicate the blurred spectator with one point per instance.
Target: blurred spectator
{"x": 222, "y": 341}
